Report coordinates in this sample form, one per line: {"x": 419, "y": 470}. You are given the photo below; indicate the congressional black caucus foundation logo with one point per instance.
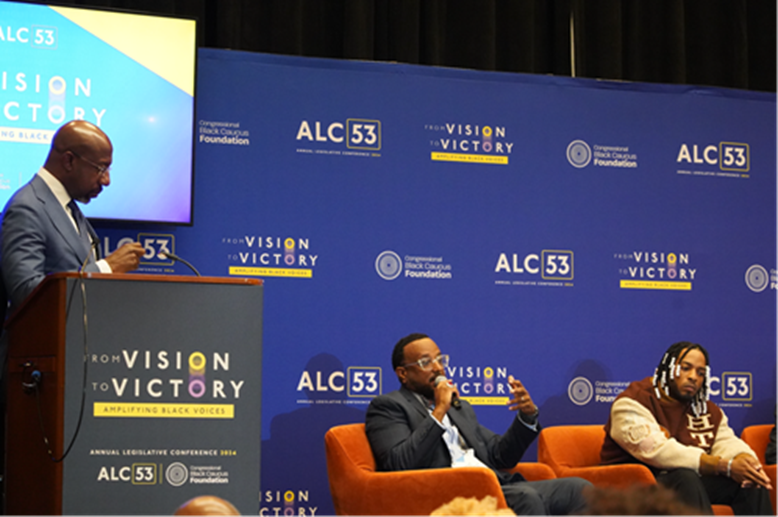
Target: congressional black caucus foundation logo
{"x": 580, "y": 154}
{"x": 758, "y": 279}
{"x": 390, "y": 266}
{"x": 176, "y": 473}
{"x": 223, "y": 133}
{"x": 581, "y": 391}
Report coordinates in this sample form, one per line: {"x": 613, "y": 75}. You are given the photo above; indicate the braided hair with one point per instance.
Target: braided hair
{"x": 669, "y": 368}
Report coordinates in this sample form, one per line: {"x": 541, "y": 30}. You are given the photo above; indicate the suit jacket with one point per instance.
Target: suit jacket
{"x": 39, "y": 238}
{"x": 403, "y": 436}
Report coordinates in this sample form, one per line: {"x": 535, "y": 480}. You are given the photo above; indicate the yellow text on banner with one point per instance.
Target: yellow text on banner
{"x": 651, "y": 284}
{"x": 469, "y": 158}
{"x": 162, "y": 410}
{"x": 271, "y": 271}
{"x": 487, "y": 401}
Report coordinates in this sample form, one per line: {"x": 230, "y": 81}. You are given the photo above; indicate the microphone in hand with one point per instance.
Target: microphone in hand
{"x": 454, "y": 397}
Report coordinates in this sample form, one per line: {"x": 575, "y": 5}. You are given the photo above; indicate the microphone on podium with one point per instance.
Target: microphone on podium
{"x": 454, "y": 397}
{"x": 176, "y": 258}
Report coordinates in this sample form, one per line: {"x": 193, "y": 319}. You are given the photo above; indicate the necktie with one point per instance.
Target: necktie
{"x": 83, "y": 228}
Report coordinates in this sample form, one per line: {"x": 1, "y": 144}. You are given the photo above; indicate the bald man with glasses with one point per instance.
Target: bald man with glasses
{"x": 424, "y": 425}
{"x": 44, "y": 231}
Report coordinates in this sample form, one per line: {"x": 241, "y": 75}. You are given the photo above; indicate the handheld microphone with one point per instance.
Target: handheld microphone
{"x": 454, "y": 397}
{"x": 176, "y": 258}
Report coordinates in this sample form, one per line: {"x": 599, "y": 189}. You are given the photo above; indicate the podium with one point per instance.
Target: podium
{"x": 150, "y": 384}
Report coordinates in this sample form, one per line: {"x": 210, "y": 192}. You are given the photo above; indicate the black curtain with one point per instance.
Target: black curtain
{"x": 727, "y": 43}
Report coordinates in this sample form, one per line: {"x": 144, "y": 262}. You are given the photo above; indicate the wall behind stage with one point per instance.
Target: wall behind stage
{"x": 562, "y": 231}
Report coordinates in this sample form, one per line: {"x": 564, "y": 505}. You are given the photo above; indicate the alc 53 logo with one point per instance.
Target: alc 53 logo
{"x": 356, "y": 381}
{"x": 550, "y": 264}
{"x": 357, "y": 133}
{"x": 729, "y": 156}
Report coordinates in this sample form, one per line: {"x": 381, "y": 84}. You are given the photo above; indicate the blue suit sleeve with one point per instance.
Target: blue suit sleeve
{"x": 24, "y": 252}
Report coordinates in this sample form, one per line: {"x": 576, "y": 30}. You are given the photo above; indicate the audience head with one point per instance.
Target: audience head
{"x": 635, "y": 500}
{"x": 207, "y": 505}
{"x": 472, "y": 506}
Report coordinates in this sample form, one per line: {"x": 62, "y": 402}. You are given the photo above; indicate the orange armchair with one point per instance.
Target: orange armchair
{"x": 574, "y": 450}
{"x": 757, "y": 437}
{"x": 357, "y": 489}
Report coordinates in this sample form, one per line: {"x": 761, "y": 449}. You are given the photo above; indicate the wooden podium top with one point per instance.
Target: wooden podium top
{"x": 55, "y": 278}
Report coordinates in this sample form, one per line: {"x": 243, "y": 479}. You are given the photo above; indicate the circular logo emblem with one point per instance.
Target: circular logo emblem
{"x": 579, "y": 154}
{"x": 757, "y": 278}
{"x": 580, "y": 391}
{"x": 388, "y": 265}
{"x": 176, "y": 474}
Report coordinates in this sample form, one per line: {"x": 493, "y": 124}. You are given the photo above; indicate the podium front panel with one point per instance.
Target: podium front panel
{"x": 171, "y": 396}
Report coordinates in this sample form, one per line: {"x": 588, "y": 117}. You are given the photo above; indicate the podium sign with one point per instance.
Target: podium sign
{"x": 157, "y": 385}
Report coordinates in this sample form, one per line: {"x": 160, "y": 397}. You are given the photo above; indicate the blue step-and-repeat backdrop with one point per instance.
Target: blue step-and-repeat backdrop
{"x": 562, "y": 231}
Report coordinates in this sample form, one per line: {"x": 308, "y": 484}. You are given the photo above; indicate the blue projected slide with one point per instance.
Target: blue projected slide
{"x": 132, "y": 75}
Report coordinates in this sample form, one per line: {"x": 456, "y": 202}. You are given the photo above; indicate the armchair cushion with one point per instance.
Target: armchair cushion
{"x": 357, "y": 489}
{"x": 574, "y": 450}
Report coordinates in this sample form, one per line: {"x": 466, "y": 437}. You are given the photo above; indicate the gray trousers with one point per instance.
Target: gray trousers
{"x": 561, "y": 496}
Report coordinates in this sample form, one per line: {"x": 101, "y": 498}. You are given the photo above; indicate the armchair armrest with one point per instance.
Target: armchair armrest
{"x": 534, "y": 471}
{"x": 620, "y": 476}
{"x": 423, "y": 490}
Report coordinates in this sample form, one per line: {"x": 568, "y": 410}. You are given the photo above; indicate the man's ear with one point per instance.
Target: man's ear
{"x": 400, "y": 372}
{"x": 66, "y": 161}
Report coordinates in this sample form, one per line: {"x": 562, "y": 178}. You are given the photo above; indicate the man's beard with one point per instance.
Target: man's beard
{"x": 427, "y": 392}
{"x": 678, "y": 395}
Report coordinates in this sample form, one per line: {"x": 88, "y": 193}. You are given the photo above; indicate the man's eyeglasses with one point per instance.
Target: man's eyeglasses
{"x": 101, "y": 169}
{"x": 425, "y": 363}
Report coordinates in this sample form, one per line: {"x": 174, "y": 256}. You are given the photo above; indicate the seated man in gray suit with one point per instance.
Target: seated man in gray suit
{"x": 417, "y": 428}
{"x": 44, "y": 231}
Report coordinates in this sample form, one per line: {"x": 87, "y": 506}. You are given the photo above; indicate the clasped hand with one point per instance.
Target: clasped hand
{"x": 748, "y": 471}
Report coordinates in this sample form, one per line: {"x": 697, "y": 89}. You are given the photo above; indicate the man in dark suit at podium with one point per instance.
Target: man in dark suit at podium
{"x": 44, "y": 231}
